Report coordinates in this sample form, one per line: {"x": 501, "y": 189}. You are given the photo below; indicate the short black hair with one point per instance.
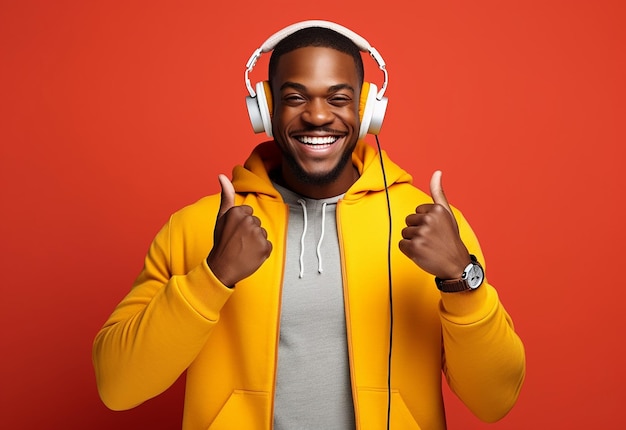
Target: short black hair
{"x": 320, "y": 37}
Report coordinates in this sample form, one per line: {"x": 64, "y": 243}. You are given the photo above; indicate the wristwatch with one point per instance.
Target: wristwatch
{"x": 472, "y": 278}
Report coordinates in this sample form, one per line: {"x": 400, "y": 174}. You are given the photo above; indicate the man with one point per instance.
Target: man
{"x": 279, "y": 311}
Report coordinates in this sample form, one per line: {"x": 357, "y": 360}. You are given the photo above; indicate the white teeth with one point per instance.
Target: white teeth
{"x": 318, "y": 140}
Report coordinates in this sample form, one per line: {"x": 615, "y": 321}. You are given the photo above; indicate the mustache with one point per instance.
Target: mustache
{"x": 319, "y": 130}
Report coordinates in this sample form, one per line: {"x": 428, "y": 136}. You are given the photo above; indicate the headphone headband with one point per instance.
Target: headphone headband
{"x": 275, "y": 38}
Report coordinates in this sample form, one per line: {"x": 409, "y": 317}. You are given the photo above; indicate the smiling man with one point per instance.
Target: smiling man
{"x": 274, "y": 295}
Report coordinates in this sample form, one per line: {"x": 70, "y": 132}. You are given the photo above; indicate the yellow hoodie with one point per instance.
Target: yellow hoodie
{"x": 178, "y": 317}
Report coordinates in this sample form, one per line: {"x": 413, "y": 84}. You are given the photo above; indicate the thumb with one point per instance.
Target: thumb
{"x": 227, "y": 195}
{"x": 436, "y": 191}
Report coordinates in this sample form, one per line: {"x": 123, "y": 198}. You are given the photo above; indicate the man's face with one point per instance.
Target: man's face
{"x": 315, "y": 120}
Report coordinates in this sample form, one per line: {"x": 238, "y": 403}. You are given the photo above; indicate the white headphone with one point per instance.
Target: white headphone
{"x": 373, "y": 104}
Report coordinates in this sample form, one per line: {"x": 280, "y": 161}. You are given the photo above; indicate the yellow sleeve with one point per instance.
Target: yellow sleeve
{"x": 484, "y": 358}
{"x": 158, "y": 328}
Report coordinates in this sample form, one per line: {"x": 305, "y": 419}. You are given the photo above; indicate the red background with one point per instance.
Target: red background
{"x": 115, "y": 114}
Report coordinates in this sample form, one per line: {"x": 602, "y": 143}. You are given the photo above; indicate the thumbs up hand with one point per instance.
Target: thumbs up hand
{"x": 431, "y": 238}
{"x": 240, "y": 244}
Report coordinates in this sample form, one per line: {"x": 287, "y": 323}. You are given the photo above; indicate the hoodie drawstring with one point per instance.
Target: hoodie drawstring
{"x": 303, "y": 204}
{"x": 319, "y": 243}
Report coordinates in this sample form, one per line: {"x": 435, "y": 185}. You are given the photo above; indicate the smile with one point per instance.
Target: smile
{"x": 310, "y": 140}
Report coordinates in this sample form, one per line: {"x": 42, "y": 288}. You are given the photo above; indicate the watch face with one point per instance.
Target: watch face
{"x": 475, "y": 276}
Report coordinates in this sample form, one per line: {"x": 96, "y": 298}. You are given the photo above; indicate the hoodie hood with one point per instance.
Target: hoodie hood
{"x": 253, "y": 176}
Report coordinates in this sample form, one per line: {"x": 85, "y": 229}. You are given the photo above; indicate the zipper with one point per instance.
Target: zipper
{"x": 279, "y": 307}
{"x": 346, "y": 305}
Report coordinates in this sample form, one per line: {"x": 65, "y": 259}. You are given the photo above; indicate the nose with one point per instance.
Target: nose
{"x": 317, "y": 112}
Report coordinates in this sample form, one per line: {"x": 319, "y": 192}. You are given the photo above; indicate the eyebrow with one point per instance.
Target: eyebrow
{"x": 331, "y": 89}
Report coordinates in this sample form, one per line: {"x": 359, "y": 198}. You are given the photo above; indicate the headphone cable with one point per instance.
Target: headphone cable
{"x": 382, "y": 166}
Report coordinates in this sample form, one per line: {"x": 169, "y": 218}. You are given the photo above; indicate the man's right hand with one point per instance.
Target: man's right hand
{"x": 240, "y": 244}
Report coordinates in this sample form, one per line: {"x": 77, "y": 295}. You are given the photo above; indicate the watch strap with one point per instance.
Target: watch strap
{"x": 456, "y": 285}
{"x": 452, "y": 285}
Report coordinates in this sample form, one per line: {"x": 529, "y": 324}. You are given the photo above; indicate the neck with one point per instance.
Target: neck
{"x": 316, "y": 190}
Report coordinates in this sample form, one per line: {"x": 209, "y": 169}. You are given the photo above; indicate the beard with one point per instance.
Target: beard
{"x": 323, "y": 178}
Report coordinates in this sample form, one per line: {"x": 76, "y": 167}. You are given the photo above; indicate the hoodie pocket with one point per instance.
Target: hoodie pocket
{"x": 245, "y": 410}
{"x": 373, "y": 410}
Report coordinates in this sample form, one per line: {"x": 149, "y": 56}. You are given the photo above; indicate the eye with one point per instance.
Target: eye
{"x": 293, "y": 99}
{"x": 340, "y": 100}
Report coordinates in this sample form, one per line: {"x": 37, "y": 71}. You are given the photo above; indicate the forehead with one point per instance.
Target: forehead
{"x": 314, "y": 64}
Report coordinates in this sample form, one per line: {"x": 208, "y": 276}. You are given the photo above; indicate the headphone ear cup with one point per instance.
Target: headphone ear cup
{"x": 378, "y": 115}
{"x": 260, "y": 108}
{"x": 371, "y": 110}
